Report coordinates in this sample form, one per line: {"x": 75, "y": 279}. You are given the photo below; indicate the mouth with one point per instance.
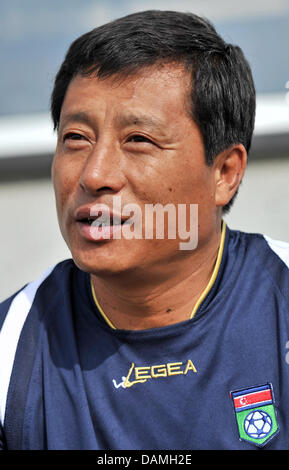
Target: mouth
{"x": 101, "y": 221}
{"x": 97, "y": 223}
{"x": 99, "y": 218}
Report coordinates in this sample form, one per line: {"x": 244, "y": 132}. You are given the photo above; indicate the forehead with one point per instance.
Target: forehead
{"x": 157, "y": 90}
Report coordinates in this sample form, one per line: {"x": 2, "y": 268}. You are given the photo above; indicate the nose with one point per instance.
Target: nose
{"x": 103, "y": 170}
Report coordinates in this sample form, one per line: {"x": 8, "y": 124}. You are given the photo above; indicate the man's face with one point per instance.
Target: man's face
{"x": 130, "y": 137}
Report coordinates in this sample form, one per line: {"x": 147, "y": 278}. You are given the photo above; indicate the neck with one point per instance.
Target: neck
{"x": 167, "y": 295}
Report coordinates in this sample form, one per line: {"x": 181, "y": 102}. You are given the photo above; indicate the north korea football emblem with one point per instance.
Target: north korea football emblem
{"x": 255, "y": 414}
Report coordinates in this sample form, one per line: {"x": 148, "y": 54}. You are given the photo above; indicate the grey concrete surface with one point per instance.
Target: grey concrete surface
{"x": 30, "y": 240}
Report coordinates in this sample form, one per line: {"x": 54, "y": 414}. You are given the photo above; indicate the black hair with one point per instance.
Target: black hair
{"x": 223, "y": 92}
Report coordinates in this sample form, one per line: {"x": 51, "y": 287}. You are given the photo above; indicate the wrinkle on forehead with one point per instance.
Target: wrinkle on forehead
{"x": 164, "y": 70}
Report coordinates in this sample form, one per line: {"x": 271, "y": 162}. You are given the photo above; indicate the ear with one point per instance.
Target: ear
{"x": 230, "y": 166}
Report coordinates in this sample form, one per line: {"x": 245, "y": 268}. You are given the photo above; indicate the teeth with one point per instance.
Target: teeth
{"x": 104, "y": 222}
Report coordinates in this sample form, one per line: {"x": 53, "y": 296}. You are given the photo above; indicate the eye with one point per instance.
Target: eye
{"x": 139, "y": 138}
{"x": 72, "y": 136}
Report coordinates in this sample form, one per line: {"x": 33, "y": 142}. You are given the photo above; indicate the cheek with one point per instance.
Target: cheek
{"x": 59, "y": 183}
{"x": 189, "y": 184}
{"x": 64, "y": 179}
{"x": 156, "y": 181}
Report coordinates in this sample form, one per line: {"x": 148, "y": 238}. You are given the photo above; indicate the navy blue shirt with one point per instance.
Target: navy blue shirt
{"x": 75, "y": 383}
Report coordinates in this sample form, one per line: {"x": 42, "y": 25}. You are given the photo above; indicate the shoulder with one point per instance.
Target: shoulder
{"x": 264, "y": 260}
{"x": 271, "y": 253}
{"x": 280, "y": 248}
{"x": 14, "y": 313}
{"x": 24, "y": 298}
{"x": 261, "y": 245}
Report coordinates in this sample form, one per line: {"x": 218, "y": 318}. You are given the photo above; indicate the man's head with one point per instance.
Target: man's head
{"x": 222, "y": 95}
{"x": 163, "y": 102}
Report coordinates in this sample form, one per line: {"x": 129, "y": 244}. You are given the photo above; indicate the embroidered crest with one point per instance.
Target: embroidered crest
{"x": 255, "y": 414}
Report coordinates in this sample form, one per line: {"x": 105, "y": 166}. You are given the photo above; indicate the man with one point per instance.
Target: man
{"x": 139, "y": 343}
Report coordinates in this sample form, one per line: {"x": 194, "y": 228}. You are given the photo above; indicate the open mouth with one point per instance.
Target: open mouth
{"x": 102, "y": 221}
{"x": 97, "y": 223}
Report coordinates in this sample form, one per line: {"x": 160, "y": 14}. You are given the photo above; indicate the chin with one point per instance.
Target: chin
{"x": 103, "y": 261}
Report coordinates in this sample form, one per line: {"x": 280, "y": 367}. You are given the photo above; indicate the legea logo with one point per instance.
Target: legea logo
{"x": 141, "y": 374}
{"x": 130, "y": 221}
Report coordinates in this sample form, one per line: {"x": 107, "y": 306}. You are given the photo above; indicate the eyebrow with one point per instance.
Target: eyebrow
{"x": 122, "y": 120}
{"x": 150, "y": 121}
{"x": 80, "y": 116}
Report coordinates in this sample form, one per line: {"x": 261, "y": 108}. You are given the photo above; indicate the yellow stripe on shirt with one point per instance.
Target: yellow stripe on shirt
{"x": 202, "y": 296}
